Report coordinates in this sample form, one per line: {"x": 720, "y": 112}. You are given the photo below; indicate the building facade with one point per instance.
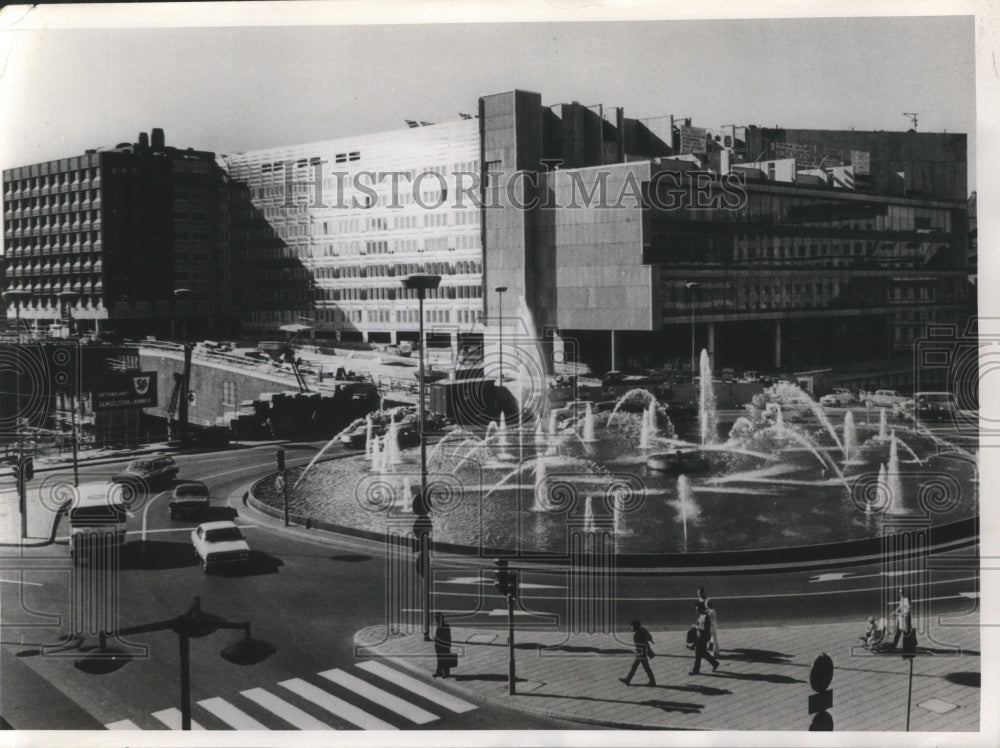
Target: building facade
{"x": 105, "y": 239}
{"x": 326, "y": 231}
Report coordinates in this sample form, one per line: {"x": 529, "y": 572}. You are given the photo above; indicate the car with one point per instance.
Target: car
{"x": 150, "y": 470}
{"x": 838, "y": 398}
{"x": 934, "y": 406}
{"x": 407, "y": 430}
{"x": 189, "y": 497}
{"x": 217, "y": 543}
{"x": 886, "y": 398}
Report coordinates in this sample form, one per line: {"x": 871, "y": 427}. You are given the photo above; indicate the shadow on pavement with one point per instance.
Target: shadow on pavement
{"x": 557, "y": 648}
{"x": 350, "y": 557}
{"x": 974, "y": 680}
{"x": 212, "y": 514}
{"x": 667, "y": 706}
{"x": 703, "y": 690}
{"x": 157, "y": 554}
{"x": 486, "y": 677}
{"x": 761, "y": 677}
{"x": 765, "y": 656}
{"x": 259, "y": 563}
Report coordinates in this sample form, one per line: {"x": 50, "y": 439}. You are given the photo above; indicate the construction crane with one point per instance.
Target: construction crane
{"x": 913, "y": 118}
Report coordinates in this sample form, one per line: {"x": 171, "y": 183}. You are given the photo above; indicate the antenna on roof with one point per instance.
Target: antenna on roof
{"x": 913, "y": 118}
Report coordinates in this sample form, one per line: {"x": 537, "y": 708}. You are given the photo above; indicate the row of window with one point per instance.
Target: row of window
{"x": 63, "y": 179}
{"x": 391, "y": 293}
{"x": 389, "y": 271}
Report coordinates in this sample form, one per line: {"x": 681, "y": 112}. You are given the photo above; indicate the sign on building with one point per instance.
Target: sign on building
{"x": 862, "y": 162}
{"x": 693, "y": 139}
{"x": 126, "y": 389}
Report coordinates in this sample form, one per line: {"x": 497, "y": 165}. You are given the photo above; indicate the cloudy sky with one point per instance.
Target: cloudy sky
{"x": 65, "y": 88}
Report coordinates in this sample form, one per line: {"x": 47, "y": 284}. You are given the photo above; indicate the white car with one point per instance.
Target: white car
{"x": 218, "y": 543}
{"x": 838, "y": 398}
{"x": 886, "y": 399}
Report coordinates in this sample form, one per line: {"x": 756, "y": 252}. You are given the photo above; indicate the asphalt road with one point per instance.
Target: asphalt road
{"x": 307, "y": 597}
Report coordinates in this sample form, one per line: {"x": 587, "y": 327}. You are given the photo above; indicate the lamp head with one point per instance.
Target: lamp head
{"x": 421, "y": 281}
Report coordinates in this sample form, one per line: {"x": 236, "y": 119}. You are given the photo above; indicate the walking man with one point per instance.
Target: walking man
{"x": 710, "y": 609}
{"x": 903, "y": 621}
{"x": 704, "y": 626}
{"x": 643, "y": 652}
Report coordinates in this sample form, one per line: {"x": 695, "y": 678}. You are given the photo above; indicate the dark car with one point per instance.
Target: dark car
{"x": 190, "y": 497}
{"x": 407, "y": 430}
{"x": 150, "y": 470}
{"x": 934, "y": 406}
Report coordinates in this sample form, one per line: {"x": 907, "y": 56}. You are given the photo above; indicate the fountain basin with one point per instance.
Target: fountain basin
{"x": 679, "y": 461}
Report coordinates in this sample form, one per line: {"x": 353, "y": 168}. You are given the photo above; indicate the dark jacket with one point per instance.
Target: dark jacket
{"x": 442, "y": 638}
{"x": 642, "y": 639}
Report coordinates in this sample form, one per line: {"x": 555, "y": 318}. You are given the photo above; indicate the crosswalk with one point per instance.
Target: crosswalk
{"x": 331, "y": 700}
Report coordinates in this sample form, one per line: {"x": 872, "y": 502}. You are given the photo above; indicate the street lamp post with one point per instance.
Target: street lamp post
{"x": 193, "y": 623}
{"x": 692, "y": 287}
{"x": 501, "y": 290}
{"x": 18, "y": 298}
{"x": 421, "y": 283}
{"x": 67, "y": 297}
{"x": 183, "y": 294}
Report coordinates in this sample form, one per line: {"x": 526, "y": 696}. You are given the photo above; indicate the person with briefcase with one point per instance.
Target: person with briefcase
{"x": 446, "y": 659}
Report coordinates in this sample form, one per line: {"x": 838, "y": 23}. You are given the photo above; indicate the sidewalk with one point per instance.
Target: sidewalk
{"x": 762, "y": 683}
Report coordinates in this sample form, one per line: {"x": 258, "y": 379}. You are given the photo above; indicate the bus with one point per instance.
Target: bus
{"x": 97, "y": 519}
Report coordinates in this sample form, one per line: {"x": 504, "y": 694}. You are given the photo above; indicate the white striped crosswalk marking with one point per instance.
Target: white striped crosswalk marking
{"x": 442, "y": 698}
{"x": 232, "y": 716}
{"x": 332, "y": 704}
{"x": 122, "y": 724}
{"x": 288, "y": 712}
{"x": 172, "y": 719}
{"x": 383, "y": 698}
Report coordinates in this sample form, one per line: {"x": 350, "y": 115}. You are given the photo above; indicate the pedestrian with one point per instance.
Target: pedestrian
{"x": 714, "y": 646}
{"x": 643, "y": 653}
{"x": 704, "y": 625}
{"x": 903, "y": 620}
{"x": 442, "y": 647}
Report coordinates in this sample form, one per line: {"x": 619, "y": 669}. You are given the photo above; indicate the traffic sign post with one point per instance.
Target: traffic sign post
{"x": 506, "y": 584}
{"x": 820, "y": 677}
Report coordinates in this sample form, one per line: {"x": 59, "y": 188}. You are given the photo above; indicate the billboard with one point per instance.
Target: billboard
{"x": 693, "y": 139}
{"x": 126, "y": 389}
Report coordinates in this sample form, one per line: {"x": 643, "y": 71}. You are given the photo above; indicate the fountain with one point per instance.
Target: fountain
{"x": 368, "y": 433}
{"x": 588, "y": 425}
{"x": 648, "y": 428}
{"x": 539, "y": 504}
{"x": 897, "y": 505}
{"x": 708, "y": 419}
{"x": 392, "y": 444}
{"x": 588, "y": 515}
{"x": 883, "y": 427}
{"x": 850, "y": 436}
{"x": 616, "y": 513}
{"x": 685, "y": 504}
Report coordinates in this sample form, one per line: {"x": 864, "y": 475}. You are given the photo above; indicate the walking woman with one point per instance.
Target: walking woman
{"x": 442, "y": 647}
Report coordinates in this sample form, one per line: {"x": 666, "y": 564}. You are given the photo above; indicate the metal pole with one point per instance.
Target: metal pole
{"x": 500, "y": 331}
{"x": 909, "y": 695}
{"x": 426, "y": 617}
{"x": 76, "y": 462}
{"x": 511, "y": 677}
{"x": 692, "y": 336}
{"x": 185, "y": 683}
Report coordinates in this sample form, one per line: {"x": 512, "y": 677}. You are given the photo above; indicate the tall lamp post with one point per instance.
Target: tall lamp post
{"x": 421, "y": 283}
{"x": 191, "y": 624}
{"x": 692, "y": 287}
{"x": 66, "y": 298}
{"x": 183, "y": 294}
{"x": 501, "y": 290}
{"x": 18, "y": 298}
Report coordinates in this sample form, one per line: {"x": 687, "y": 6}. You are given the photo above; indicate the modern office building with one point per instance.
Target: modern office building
{"x": 106, "y": 238}
{"x": 631, "y": 256}
{"x": 326, "y": 231}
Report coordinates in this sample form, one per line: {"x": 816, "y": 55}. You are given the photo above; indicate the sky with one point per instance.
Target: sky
{"x": 241, "y": 87}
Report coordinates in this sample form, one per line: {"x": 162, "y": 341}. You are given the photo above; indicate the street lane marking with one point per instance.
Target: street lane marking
{"x": 383, "y": 698}
{"x": 235, "y": 718}
{"x": 439, "y": 697}
{"x": 122, "y": 724}
{"x": 969, "y": 594}
{"x": 482, "y": 580}
{"x": 288, "y": 712}
{"x": 172, "y": 719}
{"x": 146, "y": 510}
{"x": 336, "y": 706}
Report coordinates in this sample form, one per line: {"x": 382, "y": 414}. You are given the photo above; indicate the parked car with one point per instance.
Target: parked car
{"x": 150, "y": 470}
{"x": 189, "y": 497}
{"x": 218, "y": 543}
{"x": 934, "y": 406}
{"x": 886, "y": 398}
{"x": 837, "y": 399}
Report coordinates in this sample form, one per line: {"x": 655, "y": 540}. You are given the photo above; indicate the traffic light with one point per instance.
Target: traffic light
{"x": 506, "y": 582}
{"x": 281, "y": 460}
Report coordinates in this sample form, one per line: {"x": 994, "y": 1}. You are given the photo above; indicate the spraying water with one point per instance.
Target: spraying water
{"x": 894, "y": 480}
{"x": 708, "y": 418}
{"x": 553, "y": 424}
{"x": 650, "y": 397}
{"x": 648, "y": 428}
{"x": 882, "y": 488}
{"x": 850, "y": 436}
{"x": 883, "y": 426}
{"x": 368, "y": 435}
{"x": 539, "y": 504}
{"x": 588, "y": 424}
{"x": 403, "y": 498}
{"x": 392, "y": 458}
{"x": 588, "y": 515}
{"x": 616, "y": 507}
{"x": 685, "y": 504}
